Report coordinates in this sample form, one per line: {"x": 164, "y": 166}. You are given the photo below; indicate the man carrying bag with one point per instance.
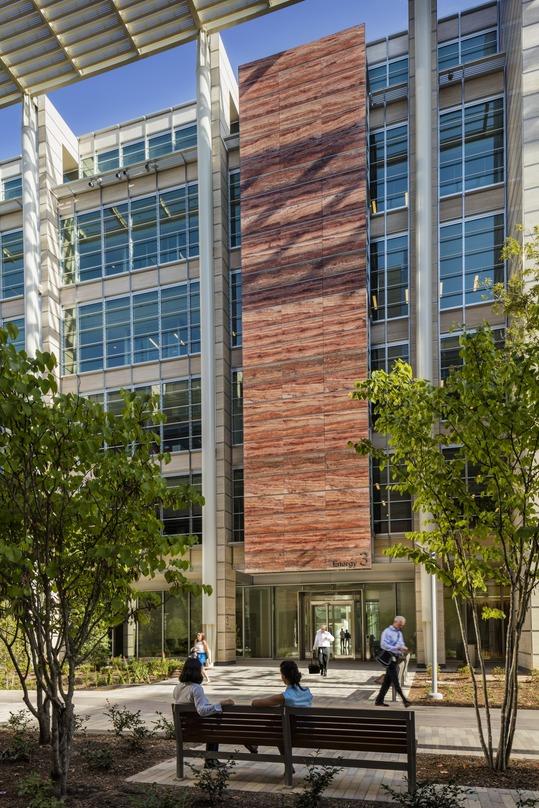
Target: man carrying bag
{"x": 392, "y": 650}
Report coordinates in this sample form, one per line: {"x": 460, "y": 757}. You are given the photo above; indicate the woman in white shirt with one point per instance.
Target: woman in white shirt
{"x": 322, "y": 643}
{"x": 189, "y": 690}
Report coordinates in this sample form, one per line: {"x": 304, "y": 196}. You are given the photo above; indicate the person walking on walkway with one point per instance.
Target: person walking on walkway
{"x": 393, "y": 648}
{"x": 322, "y": 645}
{"x": 202, "y": 652}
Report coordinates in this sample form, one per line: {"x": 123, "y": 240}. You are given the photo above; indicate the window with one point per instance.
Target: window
{"x": 89, "y": 234}
{"x": 116, "y": 239}
{"x": 12, "y": 264}
{"x": 148, "y": 326}
{"x": 467, "y": 49}
{"x": 159, "y": 144}
{"x": 185, "y": 137}
{"x": 181, "y": 405}
{"x": 12, "y": 188}
{"x": 133, "y": 152}
{"x": 235, "y": 209}
{"x": 235, "y": 309}
{"x": 383, "y": 357}
{"x": 470, "y": 260}
{"x": 144, "y": 232}
{"x": 471, "y": 147}
{"x": 450, "y": 347}
{"x": 388, "y": 168}
{"x": 128, "y": 235}
{"x": 388, "y": 74}
{"x": 18, "y": 342}
{"x": 237, "y": 505}
{"x": 179, "y": 401}
{"x": 106, "y": 161}
{"x": 237, "y": 406}
{"x": 392, "y": 511}
{"x": 188, "y": 521}
{"x": 389, "y": 278}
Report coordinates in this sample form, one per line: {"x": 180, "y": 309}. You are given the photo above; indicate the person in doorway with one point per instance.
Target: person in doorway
{"x": 201, "y": 650}
{"x": 322, "y": 645}
{"x": 347, "y": 641}
{"x": 342, "y": 637}
{"x": 392, "y": 641}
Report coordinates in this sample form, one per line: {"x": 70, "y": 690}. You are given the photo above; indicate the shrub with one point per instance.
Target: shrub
{"x": 131, "y": 723}
{"x": 429, "y": 795}
{"x": 99, "y": 759}
{"x": 79, "y": 723}
{"x": 214, "y": 782}
{"x": 163, "y": 726}
{"x": 317, "y": 779}
{"x": 38, "y": 792}
{"x": 22, "y": 742}
{"x": 498, "y": 671}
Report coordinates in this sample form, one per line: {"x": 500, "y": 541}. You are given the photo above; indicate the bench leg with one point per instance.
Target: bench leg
{"x": 288, "y": 770}
{"x": 179, "y": 763}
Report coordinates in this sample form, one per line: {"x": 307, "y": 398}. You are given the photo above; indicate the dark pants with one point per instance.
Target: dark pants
{"x": 390, "y": 679}
{"x": 211, "y": 747}
{"x": 323, "y": 658}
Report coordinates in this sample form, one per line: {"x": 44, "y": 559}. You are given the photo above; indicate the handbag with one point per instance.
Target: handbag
{"x": 385, "y": 658}
{"x": 314, "y": 667}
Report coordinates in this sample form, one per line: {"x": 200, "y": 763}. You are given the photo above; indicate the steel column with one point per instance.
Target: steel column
{"x": 207, "y": 340}
{"x": 30, "y": 226}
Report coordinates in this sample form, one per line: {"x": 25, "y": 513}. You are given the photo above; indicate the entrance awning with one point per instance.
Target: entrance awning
{"x": 47, "y": 44}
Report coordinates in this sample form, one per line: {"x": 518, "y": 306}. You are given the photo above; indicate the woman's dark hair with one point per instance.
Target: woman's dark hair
{"x": 191, "y": 671}
{"x": 291, "y": 672}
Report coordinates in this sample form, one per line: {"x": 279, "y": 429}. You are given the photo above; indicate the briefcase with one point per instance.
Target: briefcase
{"x": 314, "y": 667}
{"x": 385, "y": 658}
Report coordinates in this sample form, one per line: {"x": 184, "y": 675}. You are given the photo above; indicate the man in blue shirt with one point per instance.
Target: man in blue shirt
{"x": 392, "y": 641}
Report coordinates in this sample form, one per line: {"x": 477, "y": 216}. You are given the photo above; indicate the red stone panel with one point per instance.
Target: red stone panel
{"x": 303, "y": 192}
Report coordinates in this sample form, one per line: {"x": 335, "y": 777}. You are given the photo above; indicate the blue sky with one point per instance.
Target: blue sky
{"x": 168, "y": 78}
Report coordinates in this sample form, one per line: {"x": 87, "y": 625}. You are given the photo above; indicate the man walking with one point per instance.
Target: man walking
{"x": 322, "y": 643}
{"x": 392, "y": 643}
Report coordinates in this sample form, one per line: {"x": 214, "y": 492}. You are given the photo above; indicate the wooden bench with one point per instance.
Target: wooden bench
{"x": 338, "y": 729}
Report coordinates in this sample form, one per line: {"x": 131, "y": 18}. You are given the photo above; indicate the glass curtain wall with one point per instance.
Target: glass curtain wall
{"x": 168, "y": 629}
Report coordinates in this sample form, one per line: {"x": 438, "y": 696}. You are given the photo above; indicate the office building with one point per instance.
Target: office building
{"x": 319, "y": 181}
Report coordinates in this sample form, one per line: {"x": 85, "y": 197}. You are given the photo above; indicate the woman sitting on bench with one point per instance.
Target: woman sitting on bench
{"x": 189, "y": 690}
{"x": 294, "y": 696}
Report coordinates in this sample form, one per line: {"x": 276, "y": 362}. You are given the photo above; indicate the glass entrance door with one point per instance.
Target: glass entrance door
{"x": 338, "y": 616}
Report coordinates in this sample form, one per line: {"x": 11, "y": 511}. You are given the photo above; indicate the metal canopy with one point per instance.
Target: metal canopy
{"x": 46, "y": 44}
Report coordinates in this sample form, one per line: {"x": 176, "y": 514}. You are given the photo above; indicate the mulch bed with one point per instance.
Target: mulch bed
{"x": 108, "y": 789}
{"x": 457, "y": 690}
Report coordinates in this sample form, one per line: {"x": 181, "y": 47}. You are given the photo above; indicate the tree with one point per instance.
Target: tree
{"x": 468, "y": 453}
{"x": 80, "y": 491}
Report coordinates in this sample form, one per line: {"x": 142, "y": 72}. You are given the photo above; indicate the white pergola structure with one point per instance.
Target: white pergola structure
{"x": 47, "y": 44}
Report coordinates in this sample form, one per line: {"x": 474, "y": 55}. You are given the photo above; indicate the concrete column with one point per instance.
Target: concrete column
{"x": 30, "y": 226}
{"x": 423, "y": 248}
{"x": 207, "y": 340}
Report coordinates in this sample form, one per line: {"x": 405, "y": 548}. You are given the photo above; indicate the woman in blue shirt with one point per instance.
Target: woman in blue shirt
{"x": 294, "y": 695}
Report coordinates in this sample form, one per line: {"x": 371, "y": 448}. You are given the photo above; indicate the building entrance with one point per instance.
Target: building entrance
{"x": 338, "y": 616}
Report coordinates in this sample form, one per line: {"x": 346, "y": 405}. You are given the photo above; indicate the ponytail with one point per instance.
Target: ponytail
{"x": 291, "y": 672}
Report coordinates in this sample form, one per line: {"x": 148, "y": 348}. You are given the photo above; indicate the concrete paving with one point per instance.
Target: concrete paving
{"x": 440, "y": 730}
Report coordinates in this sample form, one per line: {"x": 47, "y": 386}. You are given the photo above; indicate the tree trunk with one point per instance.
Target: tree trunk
{"x": 62, "y": 734}
{"x": 43, "y": 715}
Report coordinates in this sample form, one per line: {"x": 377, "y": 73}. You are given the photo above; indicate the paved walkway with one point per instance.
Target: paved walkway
{"x": 440, "y": 730}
